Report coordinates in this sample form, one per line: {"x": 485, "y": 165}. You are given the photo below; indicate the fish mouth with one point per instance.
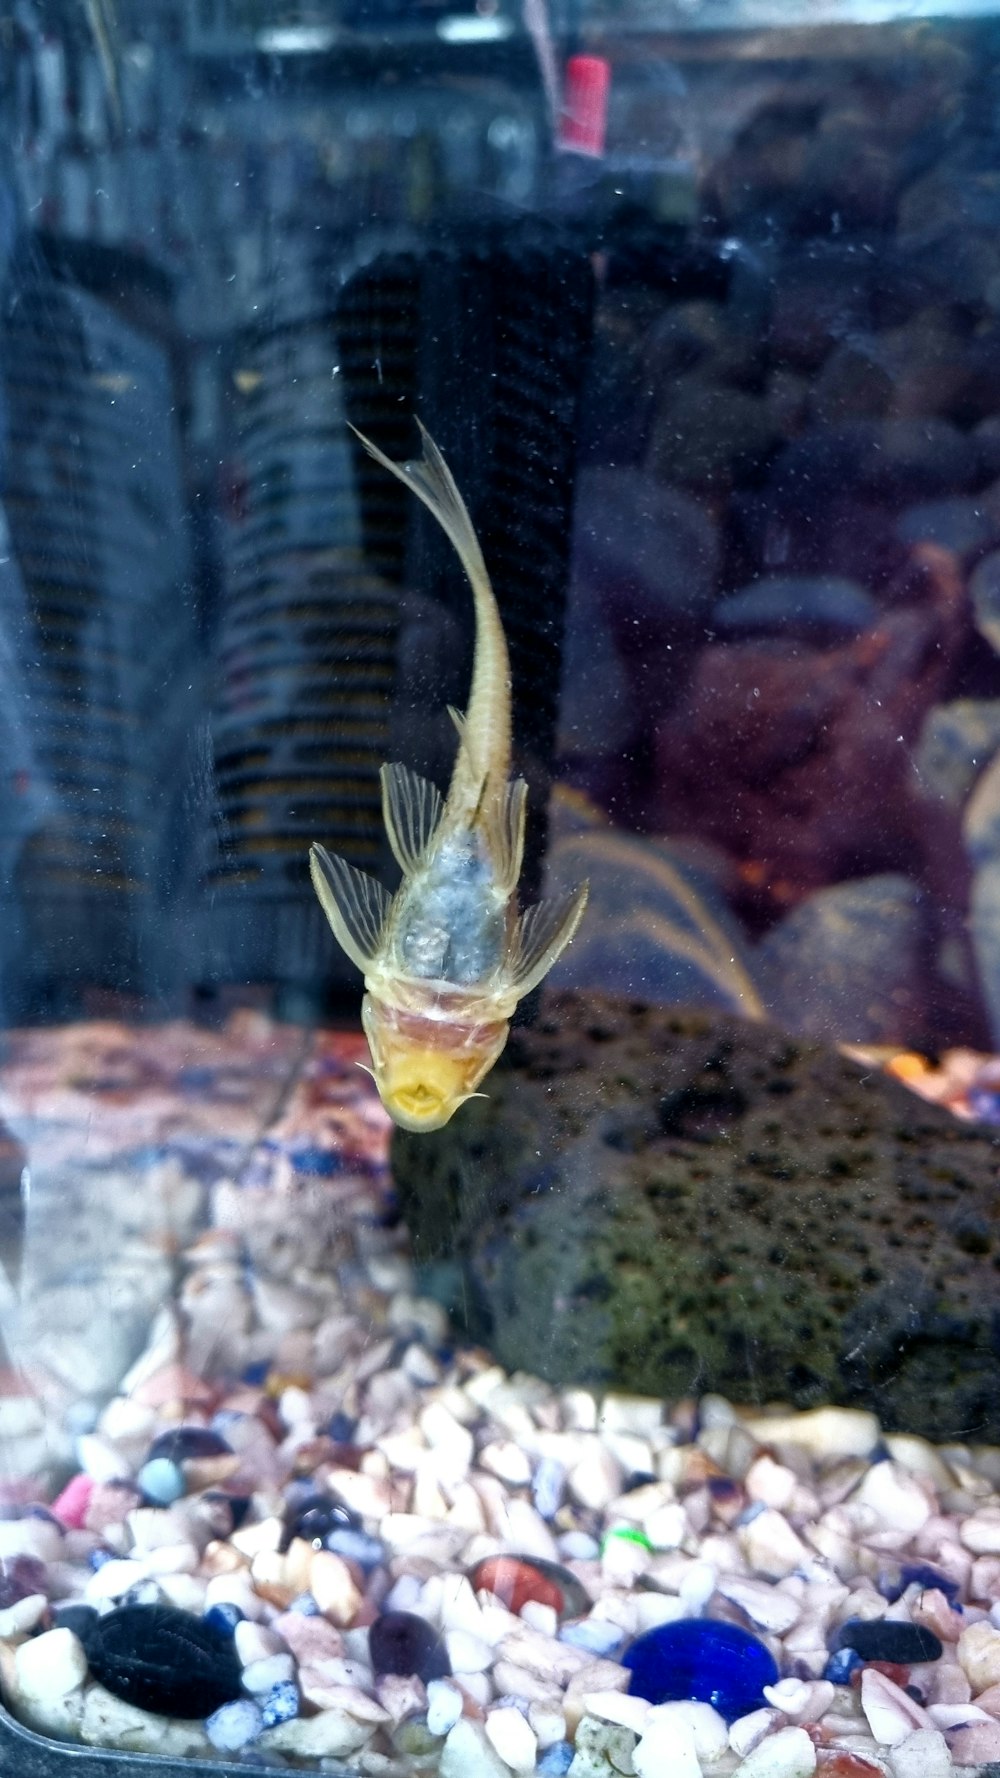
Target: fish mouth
{"x": 420, "y": 1107}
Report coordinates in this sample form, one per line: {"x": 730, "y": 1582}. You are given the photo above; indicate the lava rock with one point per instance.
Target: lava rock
{"x": 653, "y": 1198}
{"x": 702, "y": 1658}
{"x": 880, "y": 1639}
{"x": 164, "y": 1660}
{"x": 400, "y": 1642}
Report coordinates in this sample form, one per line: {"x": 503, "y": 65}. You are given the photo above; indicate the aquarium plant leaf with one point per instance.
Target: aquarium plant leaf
{"x": 356, "y": 906}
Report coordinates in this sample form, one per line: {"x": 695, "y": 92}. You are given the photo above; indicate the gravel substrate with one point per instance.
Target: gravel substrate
{"x": 300, "y": 1526}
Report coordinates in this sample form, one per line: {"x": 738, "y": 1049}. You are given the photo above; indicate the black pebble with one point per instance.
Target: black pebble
{"x": 81, "y": 1619}
{"x": 879, "y": 1639}
{"x": 163, "y": 1659}
{"x": 400, "y": 1642}
{"x": 315, "y": 1517}
{"x": 183, "y": 1442}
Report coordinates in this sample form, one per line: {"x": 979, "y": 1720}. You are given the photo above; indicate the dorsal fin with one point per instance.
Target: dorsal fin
{"x": 356, "y": 906}
{"x": 411, "y": 809}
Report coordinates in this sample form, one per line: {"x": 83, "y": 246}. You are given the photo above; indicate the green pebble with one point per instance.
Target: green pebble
{"x": 626, "y": 1534}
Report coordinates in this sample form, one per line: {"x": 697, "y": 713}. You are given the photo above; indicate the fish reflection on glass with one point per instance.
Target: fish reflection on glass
{"x": 448, "y": 957}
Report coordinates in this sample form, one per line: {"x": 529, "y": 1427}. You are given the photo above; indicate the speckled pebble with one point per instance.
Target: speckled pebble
{"x": 234, "y": 1725}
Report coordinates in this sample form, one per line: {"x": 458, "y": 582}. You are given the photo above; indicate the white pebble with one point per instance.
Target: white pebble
{"x": 620, "y": 1707}
{"x": 21, "y": 1618}
{"x": 101, "y": 1460}
{"x": 444, "y": 1706}
{"x": 771, "y": 1547}
{"x": 512, "y": 1737}
{"x": 706, "y": 1725}
{"x": 540, "y": 1617}
{"x": 924, "y": 1754}
{"x": 747, "y": 1731}
{"x": 445, "y": 1435}
{"x": 979, "y": 1656}
{"x": 770, "y": 1483}
{"x": 667, "y": 1745}
{"x": 113, "y": 1579}
{"x": 261, "y": 1677}
{"x": 467, "y": 1753}
{"x": 667, "y": 1527}
{"x": 508, "y": 1461}
{"x": 788, "y": 1754}
{"x": 791, "y": 1696}
{"x": 50, "y": 1665}
{"x": 108, "y": 1721}
{"x": 333, "y": 1734}
{"x": 548, "y": 1720}
{"x": 467, "y": 1653}
{"x": 890, "y": 1711}
{"x": 823, "y": 1432}
{"x": 696, "y": 1587}
{"x": 596, "y": 1478}
{"x": 31, "y": 1537}
{"x": 766, "y": 1606}
{"x": 896, "y": 1497}
{"x": 254, "y": 1642}
{"x": 981, "y": 1533}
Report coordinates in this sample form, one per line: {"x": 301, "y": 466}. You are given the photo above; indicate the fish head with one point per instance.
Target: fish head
{"x": 425, "y": 1069}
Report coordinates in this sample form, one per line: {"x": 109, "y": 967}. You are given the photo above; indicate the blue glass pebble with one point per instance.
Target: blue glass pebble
{"x": 280, "y": 1704}
{"x": 224, "y": 1617}
{"x": 97, "y": 1559}
{"x": 702, "y": 1658}
{"x": 548, "y": 1487}
{"x": 341, "y": 1428}
{"x": 256, "y": 1374}
{"x": 161, "y": 1481}
{"x": 367, "y": 1551}
{"x": 556, "y": 1760}
{"x": 234, "y": 1726}
{"x": 841, "y": 1665}
{"x": 592, "y": 1634}
{"x": 305, "y": 1605}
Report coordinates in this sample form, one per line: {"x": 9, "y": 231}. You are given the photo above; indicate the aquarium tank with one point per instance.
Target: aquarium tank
{"x": 500, "y": 886}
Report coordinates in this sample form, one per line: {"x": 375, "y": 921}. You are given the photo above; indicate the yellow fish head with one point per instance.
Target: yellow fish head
{"x": 425, "y": 1069}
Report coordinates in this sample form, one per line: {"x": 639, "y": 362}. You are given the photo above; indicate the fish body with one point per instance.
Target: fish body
{"x": 448, "y": 957}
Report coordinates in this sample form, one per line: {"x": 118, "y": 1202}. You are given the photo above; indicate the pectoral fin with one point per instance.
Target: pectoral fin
{"x": 542, "y": 933}
{"x": 411, "y": 809}
{"x": 356, "y": 906}
{"x": 508, "y": 841}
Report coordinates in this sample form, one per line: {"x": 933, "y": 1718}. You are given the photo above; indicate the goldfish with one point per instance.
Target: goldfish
{"x": 447, "y": 958}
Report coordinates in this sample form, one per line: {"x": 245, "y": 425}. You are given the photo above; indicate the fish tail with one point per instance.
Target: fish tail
{"x": 485, "y": 740}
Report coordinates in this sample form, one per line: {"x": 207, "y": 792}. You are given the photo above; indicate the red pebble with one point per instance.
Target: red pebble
{"x": 847, "y": 1765}
{"x": 892, "y": 1669}
{"x": 71, "y": 1506}
{"x": 514, "y": 1583}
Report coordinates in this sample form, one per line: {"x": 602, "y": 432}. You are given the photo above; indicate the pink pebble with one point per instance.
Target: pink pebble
{"x": 931, "y": 1610}
{"x": 310, "y": 1639}
{"x": 976, "y": 1744}
{"x": 71, "y": 1505}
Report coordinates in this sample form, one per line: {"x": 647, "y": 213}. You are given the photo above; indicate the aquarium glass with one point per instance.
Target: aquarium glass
{"x": 500, "y": 887}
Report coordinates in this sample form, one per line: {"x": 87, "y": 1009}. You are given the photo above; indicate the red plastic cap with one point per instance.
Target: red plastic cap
{"x": 585, "y": 105}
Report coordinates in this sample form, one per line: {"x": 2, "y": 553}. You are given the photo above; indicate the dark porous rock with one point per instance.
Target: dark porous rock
{"x": 674, "y": 1202}
{"x": 163, "y": 1659}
